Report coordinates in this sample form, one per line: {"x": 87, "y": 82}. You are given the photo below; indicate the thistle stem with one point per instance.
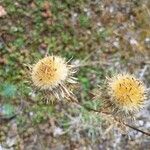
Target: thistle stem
{"x": 107, "y": 113}
{"x": 135, "y": 128}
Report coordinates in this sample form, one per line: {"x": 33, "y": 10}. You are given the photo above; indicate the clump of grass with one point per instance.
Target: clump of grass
{"x": 84, "y": 21}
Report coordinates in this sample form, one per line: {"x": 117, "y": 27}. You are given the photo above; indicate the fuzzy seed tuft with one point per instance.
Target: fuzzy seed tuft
{"x": 52, "y": 73}
{"x": 127, "y": 92}
{"x": 49, "y": 72}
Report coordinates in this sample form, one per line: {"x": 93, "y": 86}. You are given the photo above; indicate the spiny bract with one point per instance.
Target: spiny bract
{"x": 51, "y": 73}
{"x": 127, "y": 92}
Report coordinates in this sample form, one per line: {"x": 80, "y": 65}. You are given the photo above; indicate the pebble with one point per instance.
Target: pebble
{"x": 133, "y": 42}
{"x": 10, "y": 142}
{"x": 31, "y": 113}
{"x": 147, "y": 40}
{"x": 58, "y": 131}
{"x": 147, "y": 125}
{"x": 116, "y": 44}
{"x": 141, "y": 122}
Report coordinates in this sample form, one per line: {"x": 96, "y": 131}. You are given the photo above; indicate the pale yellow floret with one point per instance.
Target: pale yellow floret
{"x": 49, "y": 72}
{"x": 128, "y": 93}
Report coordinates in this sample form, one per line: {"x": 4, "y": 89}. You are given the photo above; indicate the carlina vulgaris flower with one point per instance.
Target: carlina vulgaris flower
{"x": 127, "y": 93}
{"x": 52, "y": 74}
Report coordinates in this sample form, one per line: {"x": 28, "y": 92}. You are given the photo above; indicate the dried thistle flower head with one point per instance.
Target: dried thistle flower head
{"x": 127, "y": 92}
{"x": 51, "y": 73}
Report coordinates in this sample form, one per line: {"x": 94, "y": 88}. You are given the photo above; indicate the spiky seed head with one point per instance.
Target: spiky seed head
{"x": 51, "y": 73}
{"x": 127, "y": 92}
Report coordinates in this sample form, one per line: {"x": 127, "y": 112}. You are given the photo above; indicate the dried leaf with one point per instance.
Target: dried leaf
{"x": 2, "y": 11}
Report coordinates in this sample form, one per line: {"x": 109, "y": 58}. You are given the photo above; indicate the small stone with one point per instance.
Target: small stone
{"x": 141, "y": 122}
{"x": 85, "y": 10}
{"x": 116, "y": 44}
{"x": 133, "y": 42}
{"x": 147, "y": 125}
{"x": 58, "y": 131}
{"x": 31, "y": 113}
{"x": 111, "y": 9}
{"x": 75, "y": 15}
{"x": 11, "y": 141}
{"x": 147, "y": 40}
